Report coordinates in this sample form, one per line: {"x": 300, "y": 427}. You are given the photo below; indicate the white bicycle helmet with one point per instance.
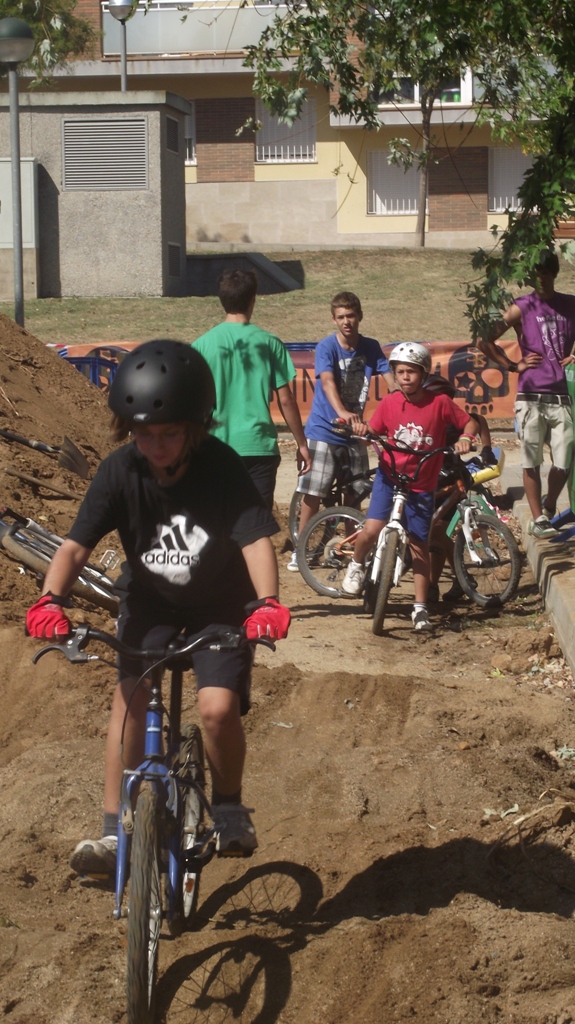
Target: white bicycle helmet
{"x": 414, "y": 353}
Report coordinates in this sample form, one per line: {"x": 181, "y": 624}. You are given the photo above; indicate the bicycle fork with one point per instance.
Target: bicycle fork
{"x": 396, "y": 525}
{"x": 474, "y": 536}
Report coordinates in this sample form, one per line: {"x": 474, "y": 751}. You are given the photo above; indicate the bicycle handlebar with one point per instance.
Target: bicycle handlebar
{"x": 73, "y": 646}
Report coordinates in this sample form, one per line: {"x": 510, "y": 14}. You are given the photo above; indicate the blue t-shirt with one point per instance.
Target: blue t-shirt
{"x": 352, "y": 373}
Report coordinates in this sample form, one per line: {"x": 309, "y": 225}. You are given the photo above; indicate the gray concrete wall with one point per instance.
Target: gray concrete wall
{"x": 286, "y": 215}
{"x": 98, "y": 242}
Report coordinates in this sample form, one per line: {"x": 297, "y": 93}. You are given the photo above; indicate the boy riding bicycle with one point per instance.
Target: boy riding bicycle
{"x": 419, "y": 419}
{"x": 196, "y": 536}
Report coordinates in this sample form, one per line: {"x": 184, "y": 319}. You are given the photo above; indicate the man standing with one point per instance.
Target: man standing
{"x": 248, "y": 364}
{"x": 545, "y": 325}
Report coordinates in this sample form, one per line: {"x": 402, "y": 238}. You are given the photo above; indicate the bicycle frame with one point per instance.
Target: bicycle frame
{"x": 154, "y": 769}
{"x": 394, "y": 523}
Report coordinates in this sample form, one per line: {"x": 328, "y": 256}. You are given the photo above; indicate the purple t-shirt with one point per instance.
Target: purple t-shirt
{"x": 548, "y": 328}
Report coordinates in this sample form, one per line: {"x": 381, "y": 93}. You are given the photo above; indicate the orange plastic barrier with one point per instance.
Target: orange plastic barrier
{"x": 481, "y": 386}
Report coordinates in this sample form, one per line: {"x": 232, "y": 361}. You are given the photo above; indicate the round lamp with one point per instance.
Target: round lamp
{"x": 16, "y": 41}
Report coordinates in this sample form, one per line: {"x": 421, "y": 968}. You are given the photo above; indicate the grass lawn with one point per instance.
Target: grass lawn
{"x": 406, "y": 294}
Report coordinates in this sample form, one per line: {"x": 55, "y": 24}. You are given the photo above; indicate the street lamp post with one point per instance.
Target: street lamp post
{"x": 16, "y": 46}
{"x": 121, "y": 10}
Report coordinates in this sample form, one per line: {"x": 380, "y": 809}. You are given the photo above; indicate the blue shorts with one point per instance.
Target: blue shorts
{"x": 418, "y": 507}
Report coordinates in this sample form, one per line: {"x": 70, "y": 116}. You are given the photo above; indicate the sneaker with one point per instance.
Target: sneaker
{"x": 433, "y": 592}
{"x": 237, "y": 837}
{"x": 292, "y": 565}
{"x": 541, "y": 528}
{"x": 455, "y": 592}
{"x": 420, "y": 620}
{"x": 95, "y": 856}
{"x": 352, "y": 583}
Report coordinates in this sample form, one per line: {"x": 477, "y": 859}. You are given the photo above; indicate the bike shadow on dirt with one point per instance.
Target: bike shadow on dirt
{"x": 277, "y": 910}
{"x": 247, "y": 976}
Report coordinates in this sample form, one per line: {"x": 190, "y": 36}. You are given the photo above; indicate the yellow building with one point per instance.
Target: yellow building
{"x": 323, "y": 182}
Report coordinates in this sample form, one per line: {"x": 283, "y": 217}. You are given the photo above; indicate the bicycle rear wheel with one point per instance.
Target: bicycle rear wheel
{"x": 495, "y": 579}
{"x": 388, "y": 559}
{"x": 191, "y": 770}
{"x": 324, "y": 548}
{"x": 36, "y": 554}
{"x": 144, "y": 910}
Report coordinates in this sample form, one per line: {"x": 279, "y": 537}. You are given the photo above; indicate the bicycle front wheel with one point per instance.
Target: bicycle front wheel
{"x": 144, "y": 909}
{"x": 388, "y": 559}
{"x": 494, "y": 580}
{"x": 326, "y": 546}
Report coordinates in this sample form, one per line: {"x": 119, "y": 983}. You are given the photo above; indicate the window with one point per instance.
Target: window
{"x": 190, "y": 135}
{"x": 172, "y": 135}
{"x": 453, "y": 90}
{"x": 390, "y": 190}
{"x": 105, "y": 155}
{"x": 507, "y": 165}
{"x": 284, "y": 144}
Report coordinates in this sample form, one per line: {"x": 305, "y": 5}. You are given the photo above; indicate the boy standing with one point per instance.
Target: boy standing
{"x": 419, "y": 419}
{"x": 345, "y": 362}
{"x": 248, "y": 364}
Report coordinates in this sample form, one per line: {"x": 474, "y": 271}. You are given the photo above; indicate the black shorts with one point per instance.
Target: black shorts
{"x": 142, "y": 623}
{"x": 263, "y": 470}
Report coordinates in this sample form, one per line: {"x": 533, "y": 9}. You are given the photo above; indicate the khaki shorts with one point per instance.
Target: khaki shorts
{"x": 541, "y": 423}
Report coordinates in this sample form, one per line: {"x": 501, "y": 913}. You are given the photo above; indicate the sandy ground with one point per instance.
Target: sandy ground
{"x": 414, "y": 801}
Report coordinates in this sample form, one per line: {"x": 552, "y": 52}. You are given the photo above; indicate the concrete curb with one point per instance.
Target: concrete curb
{"x": 553, "y": 567}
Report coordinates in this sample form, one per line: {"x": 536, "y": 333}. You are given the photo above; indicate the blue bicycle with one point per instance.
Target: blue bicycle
{"x": 163, "y": 808}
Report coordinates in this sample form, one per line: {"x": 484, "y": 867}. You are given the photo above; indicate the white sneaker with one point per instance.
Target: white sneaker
{"x": 420, "y": 620}
{"x": 95, "y": 856}
{"x": 354, "y": 579}
{"x": 292, "y": 565}
{"x": 237, "y": 837}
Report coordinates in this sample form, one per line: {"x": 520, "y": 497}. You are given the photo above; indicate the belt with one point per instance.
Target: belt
{"x": 524, "y": 396}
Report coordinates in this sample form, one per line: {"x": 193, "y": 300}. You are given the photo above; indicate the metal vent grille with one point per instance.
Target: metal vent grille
{"x": 110, "y": 155}
{"x": 174, "y": 257}
{"x": 172, "y": 135}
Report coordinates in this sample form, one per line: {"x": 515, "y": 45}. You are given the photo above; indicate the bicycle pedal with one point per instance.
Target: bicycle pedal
{"x": 237, "y": 853}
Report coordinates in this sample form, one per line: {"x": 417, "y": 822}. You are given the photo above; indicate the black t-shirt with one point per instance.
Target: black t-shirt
{"x": 182, "y": 542}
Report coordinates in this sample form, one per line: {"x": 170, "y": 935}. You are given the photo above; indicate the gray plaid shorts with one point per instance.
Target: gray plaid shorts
{"x": 328, "y": 460}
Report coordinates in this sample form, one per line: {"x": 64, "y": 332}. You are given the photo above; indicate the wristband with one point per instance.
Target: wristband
{"x": 254, "y": 605}
{"x": 512, "y": 367}
{"x": 467, "y": 437}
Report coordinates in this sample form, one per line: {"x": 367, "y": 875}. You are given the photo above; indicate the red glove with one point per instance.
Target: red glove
{"x": 46, "y": 618}
{"x": 268, "y": 618}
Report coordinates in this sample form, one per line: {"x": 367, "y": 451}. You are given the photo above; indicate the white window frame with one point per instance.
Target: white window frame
{"x": 507, "y": 165}
{"x": 278, "y": 143}
{"x": 465, "y": 100}
{"x": 391, "y": 191}
{"x": 190, "y": 136}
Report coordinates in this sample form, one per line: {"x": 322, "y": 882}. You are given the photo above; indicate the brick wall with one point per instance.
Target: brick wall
{"x": 221, "y": 154}
{"x": 90, "y": 11}
{"x": 458, "y": 189}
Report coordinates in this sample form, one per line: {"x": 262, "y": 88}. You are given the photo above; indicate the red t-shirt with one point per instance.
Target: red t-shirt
{"x": 423, "y": 426}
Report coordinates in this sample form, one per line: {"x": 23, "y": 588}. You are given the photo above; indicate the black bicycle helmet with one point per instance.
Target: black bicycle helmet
{"x": 438, "y": 385}
{"x": 163, "y": 381}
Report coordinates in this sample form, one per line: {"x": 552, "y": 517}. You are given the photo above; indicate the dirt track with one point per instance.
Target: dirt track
{"x": 393, "y": 881}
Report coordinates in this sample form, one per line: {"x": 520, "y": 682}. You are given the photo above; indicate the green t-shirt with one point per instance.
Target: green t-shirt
{"x": 247, "y": 364}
